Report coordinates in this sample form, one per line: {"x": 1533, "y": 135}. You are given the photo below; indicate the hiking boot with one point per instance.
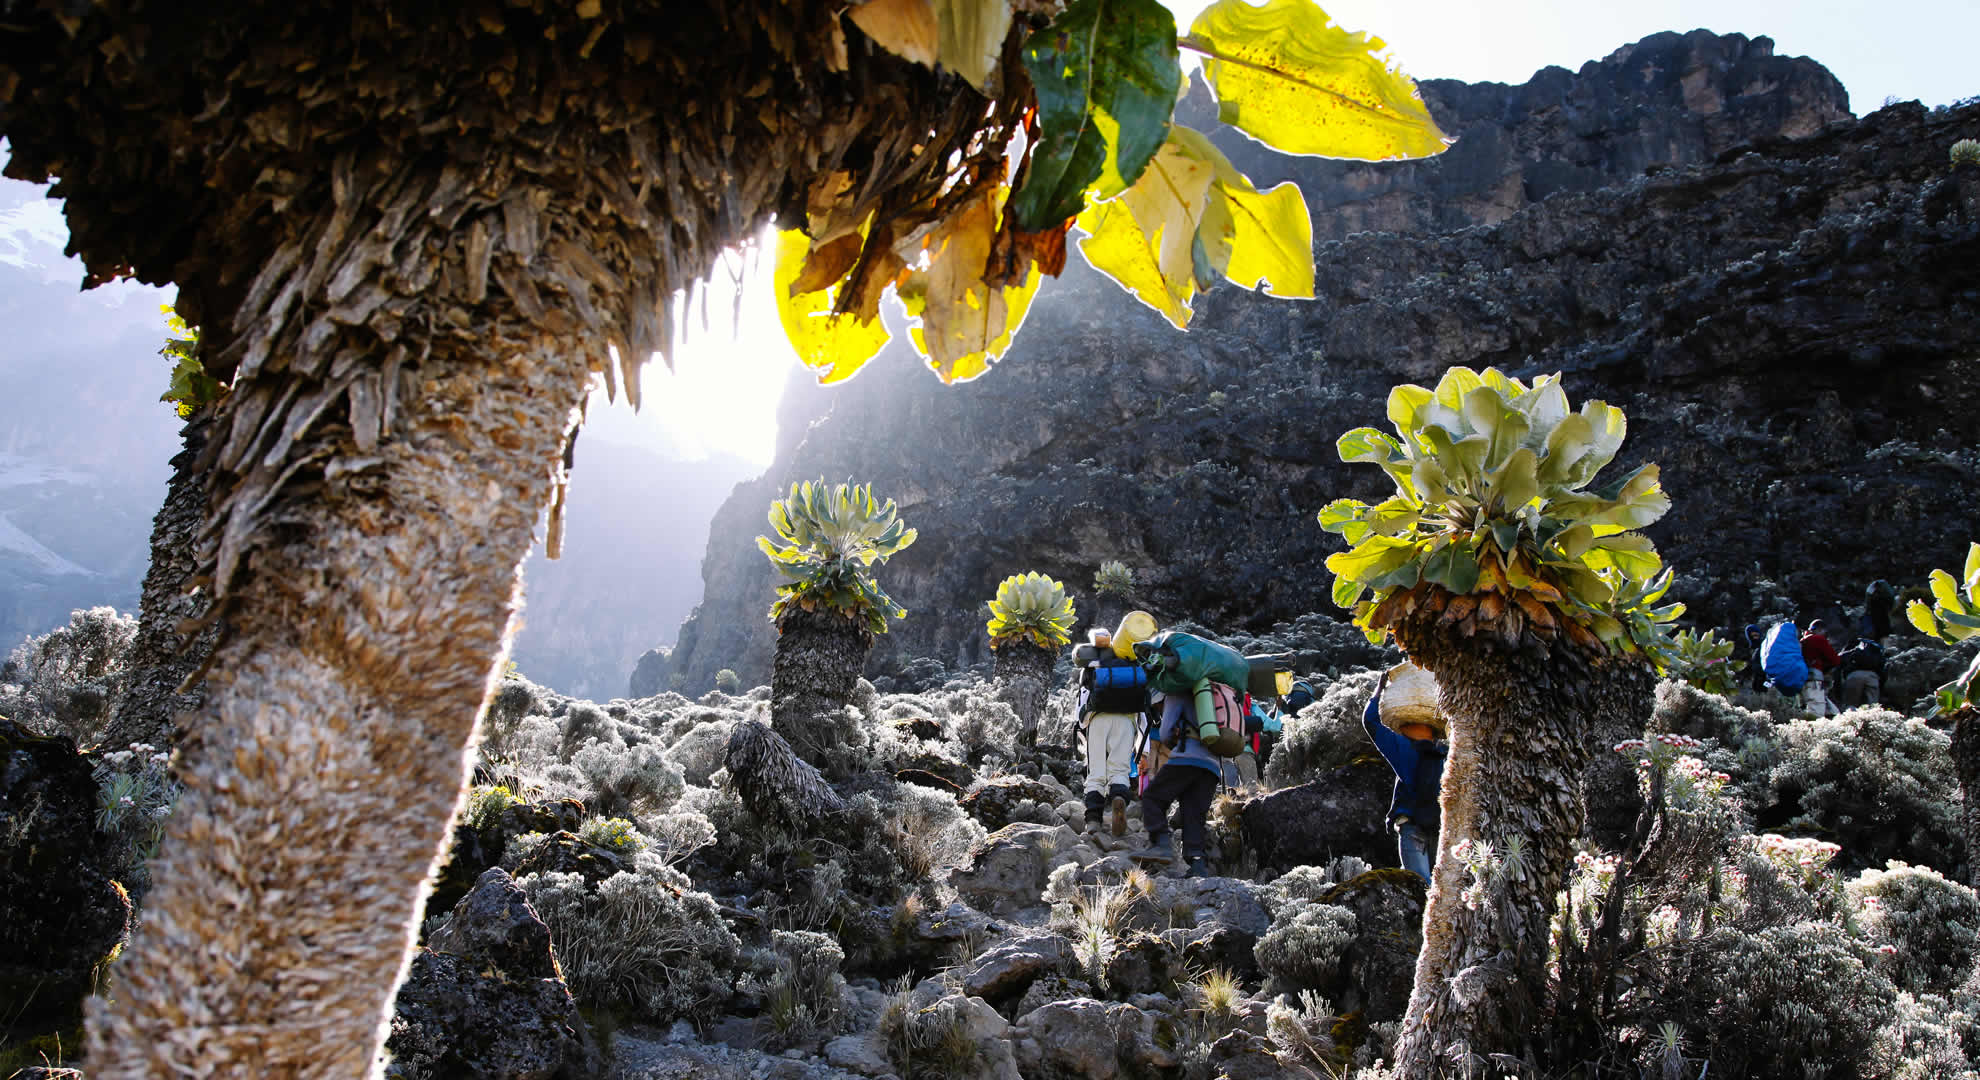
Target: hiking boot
{"x": 1117, "y": 822}
{"x": 1198, "y": 867}
{"x": 1159, "y": 850}
{"x": 1094, "y": 802}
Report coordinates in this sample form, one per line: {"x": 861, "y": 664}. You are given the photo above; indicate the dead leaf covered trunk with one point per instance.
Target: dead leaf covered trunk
{"x": 1520, "y": 722}
{"x": 409, "y": 236}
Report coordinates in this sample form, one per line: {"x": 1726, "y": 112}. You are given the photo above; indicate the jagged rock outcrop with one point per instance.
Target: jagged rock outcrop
{"x": 1788, "y": 321}
{"x": 1670, "y": 99}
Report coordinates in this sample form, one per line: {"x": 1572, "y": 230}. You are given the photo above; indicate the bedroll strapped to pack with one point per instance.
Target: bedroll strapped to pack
{"x": 1178, "y": 661}
{"x": 1114, "y": 685}
{"x": 1780, "y": 657}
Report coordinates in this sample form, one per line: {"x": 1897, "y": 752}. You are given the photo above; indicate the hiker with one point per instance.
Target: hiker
{"x": 1754, "y": 665}
{"x": 1861, "y": 669}
{"x": 1190, "y": 777}
{"x": 1822, "y": 659}
{"x": 1878, "y": 600}
{"x": 1410, "y": 737}
{"x": 1113, "y": 697}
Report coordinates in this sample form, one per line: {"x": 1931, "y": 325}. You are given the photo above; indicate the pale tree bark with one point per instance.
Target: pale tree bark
{"x": 1520, "y": 724}
{"x": 408, "y": 236}
{"x": 1024, "y": 675}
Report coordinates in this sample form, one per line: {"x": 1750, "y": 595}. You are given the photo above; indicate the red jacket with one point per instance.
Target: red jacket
{"x": 1815, "y": 649}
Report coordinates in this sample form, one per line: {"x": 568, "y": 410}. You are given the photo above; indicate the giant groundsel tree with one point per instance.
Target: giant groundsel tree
{"x": 829, "y": 606}
{"x": 1954, "y": 616}
{"x": 1502, "y": 567}
{"x": 412, "y": 236}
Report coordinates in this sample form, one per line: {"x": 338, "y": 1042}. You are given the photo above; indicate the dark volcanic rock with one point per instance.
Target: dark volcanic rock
{"x": 487, "y": 999}
{"x": 61, "y": 915}
{"x": 1787, "y": 321}
{"x": 993, "y": 803}
{"x": 1670, "y": 99}
{"x": 568, "y": 853}
{"x": 1340, "y": 814}
{"x": 1380, "y": 964}
{"x": 494, "y": 926}
{"x": 453, "y": 1020}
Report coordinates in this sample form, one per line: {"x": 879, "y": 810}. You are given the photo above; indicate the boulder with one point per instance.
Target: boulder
{"x": 494, "y": 926}
{"x": 1242, "y": 1055}
{"x": 1049, "y": 988}
{"x": 1005, "y": 871}
{"x": 1084, "y": 1039}
{"x": 454, "y": 1019}
{"x": 568, "y": 853}
{"x": 1342, "y": 814}
{"x": 61, "y": 913}
{"x": 1007, "y": 969}
{"x": 1145, "y": 964}
{"x": 1380, "y": 964}
{"x": 863, "y": 1053}
{"x": 993, "y": 802}
{"x": 476, "y": 849}
{"x": 1224, "y": 948}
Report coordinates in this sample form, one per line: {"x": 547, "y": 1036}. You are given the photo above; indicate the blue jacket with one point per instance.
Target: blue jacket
{"x": 1177, "y": 709}
{"x": 1406, "y": 757}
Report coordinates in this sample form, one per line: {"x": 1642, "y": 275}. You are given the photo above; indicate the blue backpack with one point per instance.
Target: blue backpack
{"x": 1780, "y": 657}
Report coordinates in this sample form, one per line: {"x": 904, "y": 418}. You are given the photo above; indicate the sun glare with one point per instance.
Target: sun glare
{"x": 728, "y": 374}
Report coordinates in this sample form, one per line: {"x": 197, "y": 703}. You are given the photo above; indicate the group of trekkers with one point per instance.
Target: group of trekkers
{"x": 1805, "y": 664}
{"x": 1169, "y": 718}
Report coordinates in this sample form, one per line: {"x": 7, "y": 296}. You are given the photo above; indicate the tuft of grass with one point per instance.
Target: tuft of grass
{"x": 930, "y": 1043}
{"x": 1216, "y": 994}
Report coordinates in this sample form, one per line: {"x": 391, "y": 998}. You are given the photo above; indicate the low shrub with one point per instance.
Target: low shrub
{"x": 642, "y": 944}
{"x": 1924, "y": 926}
{"x": 1325, "y": 735}
{"x": 1303, "y": 948}
{"x": 1872, "y": 781}
{"x": 67, "y": 681}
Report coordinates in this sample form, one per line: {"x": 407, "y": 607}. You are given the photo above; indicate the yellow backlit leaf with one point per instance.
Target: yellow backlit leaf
{"x": 833, "y": 346}
{"x": 965, "y": 325}
{"x": 972, "y": 36}
{"x": 1287, "y": 76}
{"x": 906, "y": 28}
{"x": 1250, "y": 237}
{"x": 1145, "y": 239}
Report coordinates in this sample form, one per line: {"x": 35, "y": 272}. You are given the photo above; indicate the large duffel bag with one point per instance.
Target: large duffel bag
{"x": 1178, "y": 662}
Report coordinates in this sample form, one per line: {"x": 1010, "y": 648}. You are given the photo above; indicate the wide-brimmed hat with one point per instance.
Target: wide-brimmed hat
{"x": 1411, "y": 698}
{"x": 1135, "y": 626}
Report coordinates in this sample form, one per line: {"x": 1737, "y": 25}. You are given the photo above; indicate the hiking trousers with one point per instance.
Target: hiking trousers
{"x": 1815, "y": 694}
{"x": 1861, "y": 688}
{"x": 1192, "y": 786}
{"x": 1109, "y": 750}
{"x": 1416, "y": 847}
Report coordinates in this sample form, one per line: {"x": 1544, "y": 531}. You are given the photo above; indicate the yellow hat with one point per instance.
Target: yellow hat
{"x": 1411, "y": 698}
{"x": 1135, "y": 626}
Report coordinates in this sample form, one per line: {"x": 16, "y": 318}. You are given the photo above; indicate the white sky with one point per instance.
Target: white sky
{"x": 724, "y": 395}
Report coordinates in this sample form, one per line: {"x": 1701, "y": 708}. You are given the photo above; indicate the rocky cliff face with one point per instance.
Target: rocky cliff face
{"x": 1789, "y": 321}
{"x": 1670, "y": 99}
